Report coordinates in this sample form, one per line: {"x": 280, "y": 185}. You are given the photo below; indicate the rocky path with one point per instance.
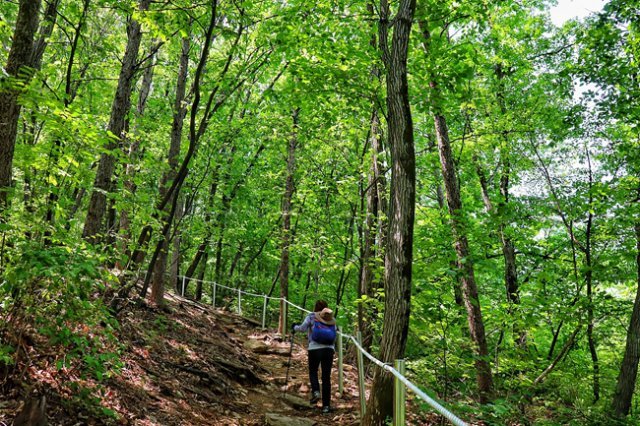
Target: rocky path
{"x": 185, "y": 365}
{"x": 281, "y": 402}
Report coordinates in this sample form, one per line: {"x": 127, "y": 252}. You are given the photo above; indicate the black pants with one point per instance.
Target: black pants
{"x": 321, "y": 357}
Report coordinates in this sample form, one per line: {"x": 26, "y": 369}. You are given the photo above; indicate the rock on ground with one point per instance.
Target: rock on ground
{"x": 273, "y": 419}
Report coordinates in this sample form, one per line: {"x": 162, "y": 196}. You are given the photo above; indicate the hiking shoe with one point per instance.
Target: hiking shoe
{"x": 315, "y": 397}
{"x": 326, "y": 409}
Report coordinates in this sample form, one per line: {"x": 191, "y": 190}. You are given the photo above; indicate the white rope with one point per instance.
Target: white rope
{"x": 295, "y": 306}
{"x": 234, "y": 289}
{"x": 419, "y": 392}
{"x": 433, "y": 403}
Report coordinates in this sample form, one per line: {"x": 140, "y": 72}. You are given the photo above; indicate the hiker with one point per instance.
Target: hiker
{"x": 321, "y": 330}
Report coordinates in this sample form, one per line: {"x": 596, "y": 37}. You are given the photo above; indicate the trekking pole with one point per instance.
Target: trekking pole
{"x": 286, "y": 380}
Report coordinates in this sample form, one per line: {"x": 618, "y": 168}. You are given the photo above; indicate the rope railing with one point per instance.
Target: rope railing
{"x": 400, "y": 378}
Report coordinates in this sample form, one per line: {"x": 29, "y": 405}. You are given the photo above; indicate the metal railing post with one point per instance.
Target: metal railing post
{"x": 340, "y": 363}
{"x": 399, "y": 396}
{"x": 215, "y": 287}
{"x": 361, "y": 383}
{"x": 183, "y": 284}
{"x": 264, "y": 313}
{"x": 239, "y": 302}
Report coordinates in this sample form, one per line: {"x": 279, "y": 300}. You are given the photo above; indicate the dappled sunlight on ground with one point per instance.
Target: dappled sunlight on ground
{"x": 192, "y": 365}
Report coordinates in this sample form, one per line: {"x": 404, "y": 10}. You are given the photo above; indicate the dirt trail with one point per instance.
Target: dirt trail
{"x": 271, "y": 397}
{"x": 185, "y": 365}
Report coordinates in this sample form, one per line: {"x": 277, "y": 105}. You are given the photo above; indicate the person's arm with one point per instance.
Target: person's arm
{"x": 305, "y": 325}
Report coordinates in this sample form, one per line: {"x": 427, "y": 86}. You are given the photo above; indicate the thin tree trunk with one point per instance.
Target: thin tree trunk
{"x": 218, "y": 268}
{"x": 195, "y": 133}
{"x": 348, "y": 253}
{"x": 367, "y": 284}
{"x": 174, "y": 266}
{"x": 286, "y": 221}
{"x": 202, "y": 247}
{"x": 179, "y": 112}
{"x": 20, "y": 58}
{"x": 508, "y": 249}
{"x": 133, "y": 153}
{"x": 563, "y": 352}
{"x": 589, "y": 282}
{"x": 69, "y": 94}
{"x": 46, "y": 29}
{"x": 465, "y": 264}
{"x": 30, "y": 134}
{"x": 453, "y": 266}
{"x": 399, "y": 249}
{"x": 200, "y": 282}
{"x": 383, "y": 204}
{"x": 368, "y": 258}
{"x": 236, "y": 259}
{"x": 119, "y": 111}
{"x": 247, "y": 266}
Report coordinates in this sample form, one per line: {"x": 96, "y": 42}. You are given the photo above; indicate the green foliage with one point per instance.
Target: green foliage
{"x": 55, "y": 290}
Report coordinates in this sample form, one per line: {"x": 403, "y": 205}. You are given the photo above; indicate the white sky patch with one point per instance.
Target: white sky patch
{"x": 569, "y": 9}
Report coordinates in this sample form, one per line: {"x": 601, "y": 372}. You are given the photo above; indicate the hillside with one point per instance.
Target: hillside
{"x": 186, "y": 365}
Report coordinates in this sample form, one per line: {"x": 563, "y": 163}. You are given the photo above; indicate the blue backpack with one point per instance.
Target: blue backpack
{"x": 323, "y": 333}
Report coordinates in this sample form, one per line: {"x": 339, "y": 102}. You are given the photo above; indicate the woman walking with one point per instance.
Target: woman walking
{"x": 321, "y": 331}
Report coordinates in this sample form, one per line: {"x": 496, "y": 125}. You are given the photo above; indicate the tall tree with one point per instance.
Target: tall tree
{"x": 119, "y": 111}
{"x": 287, "y": 199}
{"x": 465, "y": 262}
{"x": 196, "y": 130}
{"x": 399, "y": 250}
{"x": 179, "y": 112}
{"x": 465, "y": 267}
{"x": 367, "y": 286}
{"x": 609, "y": 58}
{"x": 20, "y": 59}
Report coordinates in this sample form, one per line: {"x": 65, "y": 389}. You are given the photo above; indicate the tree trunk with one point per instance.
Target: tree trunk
{"x": 629, "y": 368}
{"x": 69, "y": 89}
{"x": 179, "y": 112}
{"x": 200, "y": 281}
{"x": 218, "y": 268}
{"x": 20, "y": 58}
{"x": 399, "y": 250}
{"x": 133, "y": 154}
{"x": 119, "y": 112}
{"x": 589, "y": 283}
{"x": 46, "y": 29}
{"x": 348, "y": 254}
{"x": 508, "y": 249}
{"x": 563, "y": 352}
{"x": 174, "y": 266}
{"x": 465, "y": 263}
{"x": 286, "y": 221}
{"x": 202, "y": 247}
{"x": 370, "y": 254}
{"x": 195, "y": 133}
{"x": 236, "y": 259}
{"x": 368, "y": 260}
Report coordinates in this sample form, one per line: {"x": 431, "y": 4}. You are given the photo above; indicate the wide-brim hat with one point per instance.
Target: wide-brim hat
{"x": 325, "y": 316}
